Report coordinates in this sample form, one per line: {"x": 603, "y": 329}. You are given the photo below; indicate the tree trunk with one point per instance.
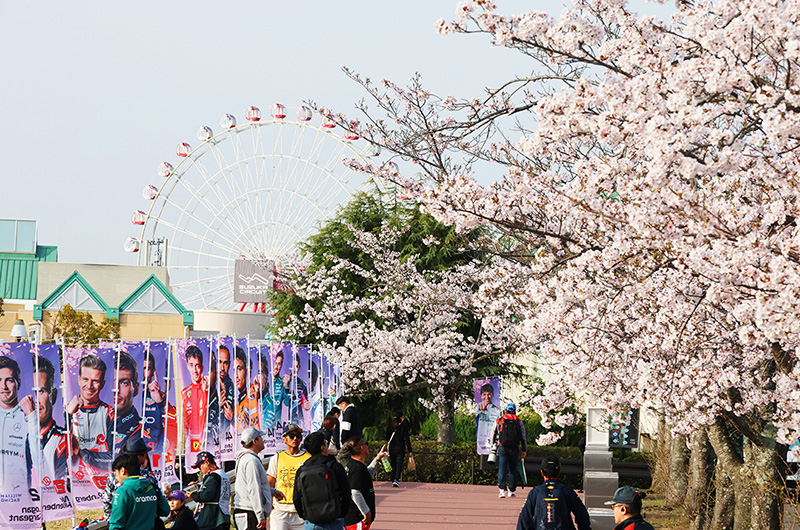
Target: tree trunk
{"x": 724, "y": 500}
{"x": 763, "y": 462}
{"x": 755, "y": 477}
{"x": 678, "y": 472}
{"x": 446, "y": 422}
{"x": 698, "y": 499}
{"x": 660, "y": 462}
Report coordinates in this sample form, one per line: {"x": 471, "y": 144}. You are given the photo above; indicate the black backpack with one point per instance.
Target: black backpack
{"x": 510, "y": 432}
{"x": 549, "y": 513}
{"x": 321, "y": 501}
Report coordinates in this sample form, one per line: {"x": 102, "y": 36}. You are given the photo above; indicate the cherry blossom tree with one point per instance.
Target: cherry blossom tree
{"x": 649, "y": 201}
{"x": 397, "y": 314}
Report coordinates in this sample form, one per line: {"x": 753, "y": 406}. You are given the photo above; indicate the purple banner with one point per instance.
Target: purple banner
{"x": 193, "y": 362}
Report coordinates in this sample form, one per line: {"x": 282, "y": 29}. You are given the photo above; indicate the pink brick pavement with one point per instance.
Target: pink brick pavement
{"x": 444, "y": 506}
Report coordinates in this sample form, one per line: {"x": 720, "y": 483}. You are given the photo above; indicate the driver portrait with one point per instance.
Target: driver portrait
{"x": 15, "y": 454}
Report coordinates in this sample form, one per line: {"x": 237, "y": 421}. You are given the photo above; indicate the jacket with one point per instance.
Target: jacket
{"x": 183, "y": 519}
{"x": 339, "y": 474}
{"x": 252, "y": 487}
{"x": 350, "y": 424}
{"x": 214, "y": 497}
{"x": 136, "y": 504}
{"x": 569, "y": 503}
{"x": 496, "y": 431}
{"x": 399, "y": 438}
{"x": 635, "y": 522}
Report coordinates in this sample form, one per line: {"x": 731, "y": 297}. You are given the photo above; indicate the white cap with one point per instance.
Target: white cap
{"x": 250, "y": 434}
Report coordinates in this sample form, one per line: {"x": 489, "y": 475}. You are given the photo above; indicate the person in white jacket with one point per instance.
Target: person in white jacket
{"x": 253, "y": 500}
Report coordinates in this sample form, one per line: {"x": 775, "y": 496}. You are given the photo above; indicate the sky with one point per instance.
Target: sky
{"x": 95, "y": 94}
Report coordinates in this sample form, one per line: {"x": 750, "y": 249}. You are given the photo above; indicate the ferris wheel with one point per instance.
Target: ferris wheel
{"x": 250, "y": 192}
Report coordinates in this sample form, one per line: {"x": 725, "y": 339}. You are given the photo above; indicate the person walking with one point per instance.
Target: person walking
{"x": 508, "y": 434}
{"x": 627, "y": 506}
{"x": 321, "y": 489}
{"x": 137, "y": 502}
{"x": 180, "y": 517}
{"x": 353, "y": 456}
{"x": 253, "y": 498}
{"x": 350, "y": 420}
{"x": 399, "y": 442}
{"x": 214, "y": 495}
{"x": 553, "y": 504}
{"x": 281, "y": 474}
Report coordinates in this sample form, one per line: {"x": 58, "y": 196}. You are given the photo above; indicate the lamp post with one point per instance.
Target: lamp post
{"x": 18, "y": 331}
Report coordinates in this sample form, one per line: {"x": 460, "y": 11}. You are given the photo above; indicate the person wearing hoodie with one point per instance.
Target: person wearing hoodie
{"x": 137, "y": 502}
{"x": 253, "y": 492}
{"x": 508, "y": 434}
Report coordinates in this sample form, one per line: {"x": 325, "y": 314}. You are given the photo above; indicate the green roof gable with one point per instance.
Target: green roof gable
{"x": 75, "y": 279}
{"x": 151, "y": 285}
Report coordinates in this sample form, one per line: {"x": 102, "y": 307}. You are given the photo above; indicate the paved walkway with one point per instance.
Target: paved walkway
{"x": 417, "y": 505}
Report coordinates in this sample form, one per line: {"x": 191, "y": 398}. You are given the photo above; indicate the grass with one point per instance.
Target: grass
{"x": 80, "y": 515}
{"x": 661, "y": 516}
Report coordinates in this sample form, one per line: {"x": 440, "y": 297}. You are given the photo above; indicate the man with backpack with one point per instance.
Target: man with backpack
{"x": 508, "y": 434}
{"x": 550, "y": 506}
{"x": 321, "y": 488}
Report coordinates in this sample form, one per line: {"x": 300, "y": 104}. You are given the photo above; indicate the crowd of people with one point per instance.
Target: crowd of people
{"x": 320, "y": 482}
{"x": 323, "y": 482}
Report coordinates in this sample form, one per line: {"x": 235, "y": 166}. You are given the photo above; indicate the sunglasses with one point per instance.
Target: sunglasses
{"x": 294, "y": 435}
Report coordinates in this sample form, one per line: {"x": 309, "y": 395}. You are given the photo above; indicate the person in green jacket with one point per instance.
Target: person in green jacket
{"x": 214, "y": 496}
{"x": 136, "y": 502}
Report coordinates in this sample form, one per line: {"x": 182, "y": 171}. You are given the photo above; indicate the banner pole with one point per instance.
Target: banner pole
{"x": 37, "y": 423}
{"x": 68, "y": 423}
{"x": 144, "y": 384}
{"x": 164, "y": 437}
{"x": 114, "y": 405}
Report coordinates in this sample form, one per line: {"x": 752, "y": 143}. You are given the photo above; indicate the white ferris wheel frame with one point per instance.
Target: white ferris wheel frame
{"x": 222, "y": 174}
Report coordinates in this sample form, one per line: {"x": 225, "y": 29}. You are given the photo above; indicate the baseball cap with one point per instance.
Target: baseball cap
{"x": 511, "y": 407}
{"x": 177, "y": 494}
{"x": 250, "y": 434}
{"x": 204, "y": 456}
{"x": 626, "y": 495}
{"x": 551, "y": 466}
{"x": 136, "y": 446}
{"x": 291, "y": 428}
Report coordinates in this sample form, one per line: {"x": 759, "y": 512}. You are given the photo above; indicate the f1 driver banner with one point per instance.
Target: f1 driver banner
{"x": 226, "y": 352}
{"x": 159, "y": 420}
{"x": 21, "y": 503}
{"x": 266, "y": 405}
{"x": 88, "y": 394}
{"x": 193, "y": 359}
{"x": 50, "y": 460}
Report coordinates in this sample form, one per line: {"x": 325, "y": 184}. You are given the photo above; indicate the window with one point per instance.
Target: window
{"x": 17, "y": 236}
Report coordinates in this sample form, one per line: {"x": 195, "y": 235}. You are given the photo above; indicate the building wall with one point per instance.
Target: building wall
{"x": 230, "y": 323}
{"x": 157, "y": 327}
{"x": 11, "y": 312}
{"x": 114, "y": 283}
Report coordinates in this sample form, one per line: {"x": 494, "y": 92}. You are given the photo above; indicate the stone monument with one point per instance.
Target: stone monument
{"x": 599, "y": 480}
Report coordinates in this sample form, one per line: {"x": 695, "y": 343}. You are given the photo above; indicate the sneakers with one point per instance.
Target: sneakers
{"x": 502, "y": 494}
{"x": 395, "y": 484}
{"x": 512, "y": 493}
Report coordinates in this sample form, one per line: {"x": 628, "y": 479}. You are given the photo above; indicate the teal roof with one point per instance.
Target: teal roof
{"x": 75, "y": 277}
{"x": 19, "y": 272}
{"x": 153, "y": 281}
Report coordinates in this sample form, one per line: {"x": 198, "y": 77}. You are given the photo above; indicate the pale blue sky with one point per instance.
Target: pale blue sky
{"x": 95, "y": 94}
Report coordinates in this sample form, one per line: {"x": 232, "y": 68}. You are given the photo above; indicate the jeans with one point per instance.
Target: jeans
{"x": 336, "y": 524}
{"x": 507, "y": 467}
{"x": 397, "y": 461}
